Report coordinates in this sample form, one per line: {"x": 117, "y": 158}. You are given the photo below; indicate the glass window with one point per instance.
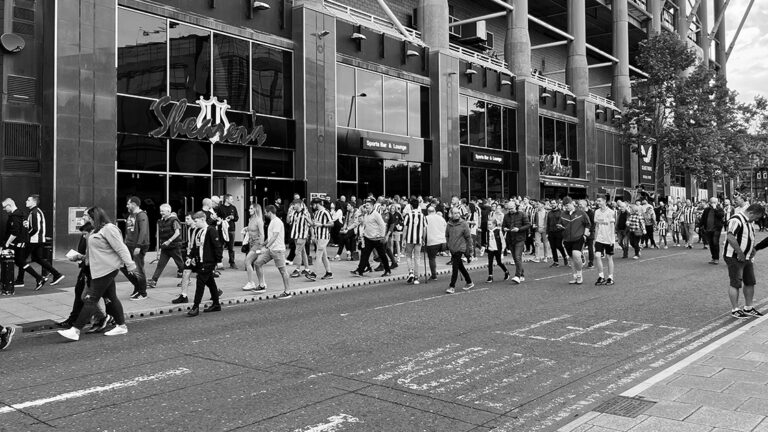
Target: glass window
{"x": 463, "y": 120}
{"x": 231, "y": 158}
{"x": 618, "y": 153}
{"x": 370, "y": 177}
{"x": 150, "y": 188}
{"x": 272, "y": 81}
{"x": 494, "y": 184}
{"x": 415, "y": 115}
{"x": 548, "y": 135}
{"x": 573, "y": 148}
{"x": 509, "y": 117}
{"x": 193, "y": 157}
{"x": 396, "y": 178}
{"x": 272, "y": 163}
{"x": 140, "y": 153}
{"x": 347, "y": 168}
{"x": 186, "y": 193}
{"x": 600, "y": 148}
{"x": 345, "y": 90}
{"x": 477, "y": 187}
{"x": 464, "y": 182}
{"x": 609, "y": 148}
{"x": 494, "y": 126}
{"x": 510, "y": 184}
{"x": 395, "y": 106}
{"x": 141, "y": 54}
{"x": 190, "y": 62}
{"x": 419, "y": 179}
{"x": 369, "y": 108}
{"x": 561, "y": 138}
{"x": 230, "y": 71}
{"x": 477, "y": 123}
{"x": 425, "y": 122}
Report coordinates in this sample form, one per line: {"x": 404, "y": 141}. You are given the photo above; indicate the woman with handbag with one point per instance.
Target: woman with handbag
{"x": 253, "y": 241}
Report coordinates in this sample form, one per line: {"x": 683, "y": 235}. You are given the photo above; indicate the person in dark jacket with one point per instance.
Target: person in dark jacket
{"x": 590, "y": 240}
{"x": 459, "y": 243}
{"x": 555, "y": 234}
{"x": 576, "y": 226}
{"x": 710, "y": 226}
{"x": 209, "y": 254}
{"x": 16, "y": 240}
{"x": 516, "y": 226}
{"x": 622, "y": 236}
{"x": 137, "y": 241}
{"x": 169, "y": 236}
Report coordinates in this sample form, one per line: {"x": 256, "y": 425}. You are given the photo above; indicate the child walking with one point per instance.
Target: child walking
{"x": 662, "y": 226}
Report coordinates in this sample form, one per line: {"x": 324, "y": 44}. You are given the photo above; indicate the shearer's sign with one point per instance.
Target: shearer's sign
{"x": 211, "y": 124}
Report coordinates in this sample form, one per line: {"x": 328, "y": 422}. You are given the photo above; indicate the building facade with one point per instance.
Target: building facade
{"x": 175, "y": 100}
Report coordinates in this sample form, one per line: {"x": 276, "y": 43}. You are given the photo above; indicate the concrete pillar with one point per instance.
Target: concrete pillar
{"x": 682, "y": 19}
{"x": 444, "y": 98}
{"x": 577, "y": 70}
{"x": 655, "y": 8}
{"x": 622, "y": 90}
{"x": 585, "y": 138}
{"x": 527, "y": 93}
{"x": 704, "y": 41}
{"x": 720, "y": 37}
{"x": 517, "y": 44}
{"x": 315, "y": 97}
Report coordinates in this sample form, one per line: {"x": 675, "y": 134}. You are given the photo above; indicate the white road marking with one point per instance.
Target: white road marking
{"x": 333, "y": 425}
{"x": 92, "y": 390}
{"x": 617, "y": 336}
{"x": 456, "y": 364}
{"x": 421, "y": 356}
{"x": 521, "y": 331}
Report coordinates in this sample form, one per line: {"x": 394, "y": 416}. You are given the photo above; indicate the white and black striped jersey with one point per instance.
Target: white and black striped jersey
{"x": 740, "y": 227}
{"x": 414, "y": 224}
{"x": 299, "y": 224}
{"x": 36, "y": 220}
{"x": 322, "y": 217}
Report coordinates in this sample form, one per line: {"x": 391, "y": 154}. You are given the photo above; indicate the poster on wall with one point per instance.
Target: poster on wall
{"x": 647, "y": 156}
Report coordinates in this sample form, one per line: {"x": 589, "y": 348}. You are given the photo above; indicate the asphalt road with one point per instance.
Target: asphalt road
{"x": 382, "y": 357}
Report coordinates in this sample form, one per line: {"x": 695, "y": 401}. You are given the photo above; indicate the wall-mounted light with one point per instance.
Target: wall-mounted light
{"x": 257, "y": 5}
{"x": 570, "y": 101}
{"x": 323, "y": 34}
{"x": 599, "y": 110}
{"x": 411, "y": 53}
{"x": 545, "y": 94}
{"x": 358, "y": 36}
{"x": 506, "y": 82}
{"x": 617, "y": 115}
{"x": 470, "y": 72}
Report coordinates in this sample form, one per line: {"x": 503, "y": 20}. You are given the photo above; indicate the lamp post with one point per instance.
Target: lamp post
{"x": 352, "y": 106}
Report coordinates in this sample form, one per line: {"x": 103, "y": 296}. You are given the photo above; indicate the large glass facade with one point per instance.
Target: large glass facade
{"x": 230, "y": 71}
{"x": 360, "y": 176}
{"x": 272, "y": 81}
{"x": 558, "y": 150}
{"x": 189, "y": 61}
{"x": 142, "y": 58}
{"x": 610, "y": 158}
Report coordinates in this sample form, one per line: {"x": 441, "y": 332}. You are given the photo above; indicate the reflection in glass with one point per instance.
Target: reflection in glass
{"x": 370, "y": 177}
{"x": 509, "y": 116}
{"x": 464, "y": 182}
{"x": 369, "y": 108}
{"x": 272, "y": 81}
{"x": 346, "y": 168}
{"x": 418, "y": 179}
{"x": 186, "y": 193}
{"x": 510, "y": 184}
{"x": 150, "y": 188}
{"x": 415, "y": 120}
{"x": 573, "y": 153}
{"x": 230, "y": 71}
{"x": 345, "y": 89}
{"x": 425, "y": 122}
{"x": 561, "y": 139}
{"x": 138, "y": 152}
{"x": 141, "y": 54}
{"x": 494, "y": 126}
{"x": 230, "y": 157}
{"x": 477, "y": 123}
{"x": 494, "y": 184}
{"x": 463, "y": 120}
{"x": 272, "y": 163}
{"x": 477, "y": 186}
{"x": 193, "y": 157}
{"x": 600, "y": 148}
{"x": 609, "y": 148}
{"x": 396, "y": 178}
{"x": 395, "y": 107}
{"x": 548, "y": 135}
{"x": 190, "y": 62}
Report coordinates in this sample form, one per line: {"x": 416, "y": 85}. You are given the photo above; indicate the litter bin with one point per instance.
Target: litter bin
{"x": 7, "y": 267}
{"x": 47, "y": 254}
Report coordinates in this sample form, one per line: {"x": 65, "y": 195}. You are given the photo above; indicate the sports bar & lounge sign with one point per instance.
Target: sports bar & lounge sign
{"x": 385, "y": 145}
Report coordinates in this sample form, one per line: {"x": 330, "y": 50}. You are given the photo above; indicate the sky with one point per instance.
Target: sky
{"x": 747, "y": 67}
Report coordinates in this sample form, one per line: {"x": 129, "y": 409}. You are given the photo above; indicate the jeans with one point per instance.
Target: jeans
{"x": 412, "y": 252}
{"x": 205, "y": 278}
{"x": 556, "y": 244}
{"x": 457, "y": 266}
{"x": 36, "y": 253}
{"x": 301, "y": 253}
{"x": 634, "y": 240}
{"x": 495, "y": 255}
{"x": 432, "y": 252}
{"x": 348, "y": 240}
{"x": 321, "y": 255}
{"x": 542, "y": 245}
{"x": 713, "y": 240}
{"x": 590, "y": 250}
{"x": 622, "y": 239}
{"x": 517, "y": 255}
{"x": 138, "y": 258}
{"x": 229, "y": 245}
{"x": 368, "y": 246}
{"x": 649, "y": 236}
{"x": 165, "y": 255}
{"x": 101, "y": 287}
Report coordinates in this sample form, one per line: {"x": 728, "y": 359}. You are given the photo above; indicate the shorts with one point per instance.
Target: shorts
{"x": 603, "y": 249}
{"x": 397, "y": 235}
{"x": 268, "y": 255}
{"x": 740, "y": 273}
{"x": 571, "y": 246}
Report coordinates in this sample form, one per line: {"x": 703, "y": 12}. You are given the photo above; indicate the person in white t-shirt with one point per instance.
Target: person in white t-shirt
{"x": 605, "y": 238}
{"x": 274, "y": 249}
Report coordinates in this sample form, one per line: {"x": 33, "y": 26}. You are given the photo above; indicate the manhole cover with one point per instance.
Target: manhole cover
{"x": 625, "y": 406}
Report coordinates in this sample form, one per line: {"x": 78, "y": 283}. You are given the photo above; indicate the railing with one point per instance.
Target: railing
{"x": 552, "y": 84}
{"x": 476, "y": 57}
{"x": 603, "y": 101}
{"x": 364, "y": 18}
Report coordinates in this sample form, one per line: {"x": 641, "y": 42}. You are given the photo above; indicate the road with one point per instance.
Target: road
{"x": 381, "y": 357}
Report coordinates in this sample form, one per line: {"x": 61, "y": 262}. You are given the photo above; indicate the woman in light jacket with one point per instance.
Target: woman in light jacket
{"x": 255, "y": 232}
{"x": 105, "y": 255}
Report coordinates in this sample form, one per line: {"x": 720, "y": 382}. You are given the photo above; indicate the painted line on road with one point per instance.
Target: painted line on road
{"x": 415, "y": 301}
{"x": 92, "y": 390}
{"x": 639, "y": 262}
{"x": 333, "y": 425}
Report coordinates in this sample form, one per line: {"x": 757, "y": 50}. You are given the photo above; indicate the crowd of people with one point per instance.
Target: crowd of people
{"x": 377, "y": 232}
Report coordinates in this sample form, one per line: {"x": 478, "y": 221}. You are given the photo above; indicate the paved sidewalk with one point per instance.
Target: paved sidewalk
{"x": 40, "y": 310}
{"x": 723, "y": 387}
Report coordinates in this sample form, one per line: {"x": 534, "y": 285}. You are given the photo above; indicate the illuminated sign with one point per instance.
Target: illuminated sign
{"x": 487, "y": 157}
{"x": 385, "y": 146}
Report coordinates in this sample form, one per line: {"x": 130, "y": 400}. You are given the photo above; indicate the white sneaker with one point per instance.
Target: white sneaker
{"x": 336, "y": 258}
{"x": 118, "y": 330}
{"x": 522, "y": 279}
{"x": 516, "y": 280}
{"x": 450, "y": 290}
{"x": 249, "y": 286}
{"x": 71, "y": 333}
{"x": 416, "y": 281}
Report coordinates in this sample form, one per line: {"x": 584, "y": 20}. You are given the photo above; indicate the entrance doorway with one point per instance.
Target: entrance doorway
{"x": 265, "y": 191}
{"x": 238, "y": 188}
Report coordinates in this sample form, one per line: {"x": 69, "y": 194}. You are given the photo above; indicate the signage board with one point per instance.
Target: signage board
{"x": 320, "y": 195}
{"x": 385, "y": 145}
{"x": 487, "y": 158}
{"x": 76, "y": 219}
{"x": 647, "y": 165}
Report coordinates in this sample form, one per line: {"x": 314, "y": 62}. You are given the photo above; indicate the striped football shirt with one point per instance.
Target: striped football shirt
{"x": 740, "y": 227}
{"x": 322, "y": 217}
{"x": 414, "y": 223}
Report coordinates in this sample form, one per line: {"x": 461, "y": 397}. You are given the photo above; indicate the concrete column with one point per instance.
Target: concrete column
{"x": 720, "y": 37}
{"x": 682, "y": 19}
{"x": 655, "y": 8}
{"x": 585, "y": 138}
{"x": 622, "y": 90}
{"x": 315, "y": 97}
{"x": 527, "y": 137}
{"x": 704, "y": 41}
{"x": 444, "y": 98}
{"x": 577, "y": 70}
{"x": 517, "y": 44}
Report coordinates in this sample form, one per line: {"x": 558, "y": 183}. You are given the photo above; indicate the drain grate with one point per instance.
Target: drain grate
{"x": 625, "y": 406}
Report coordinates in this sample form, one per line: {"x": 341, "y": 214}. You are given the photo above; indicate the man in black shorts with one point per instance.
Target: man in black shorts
{"x": 575, "y": 224}
{"x": 738, "y": 253}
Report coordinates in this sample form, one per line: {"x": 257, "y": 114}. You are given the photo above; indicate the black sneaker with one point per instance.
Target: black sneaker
{"x": 312, "y": 276}
{"x": 393, "y": 266}
{"x": 134, "y": 295}
{"x": 590, "y": 266}
{"x": 7, "y": 337}
{"x": 139, "y": 297}
{"x": 100, "y": 325}
{"x": 357, "y": 273}
{"x": 180, "y": 299}
{"x": 386, "y": 273}
{"x": 284, "y": 295}
{"x": 379, "y": 268}
{"x": 739, "y": 314}
{"x": 489, "y": 280}
{"x": 506, "y": 276}
{"x": 216, "y": 273}
{"x": 260, "y": 288}
{"x": 40, "y": 283}
{"x": 609, "y": 281}
{"x": 600, "y": 281}
{"x": 410, "y": 279}
{"x": 220, "y": 292}
{"x": 327, "y": 276}
{"x": 195, "y": 311}
{"x": 752, "y": 312}
{"x": 18, "y": 284}
{"x": 296, "y": 273}
{"x": 151, "y": 283}
{"x": 216, "y": 307}
{"x": 433, "y": 277}
{"x": 57, "y": 279}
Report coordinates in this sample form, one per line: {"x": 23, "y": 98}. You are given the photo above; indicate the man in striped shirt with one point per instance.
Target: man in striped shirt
{"x": 738, "y": 253}
{"x": 688, "y": 223}
{"x": 35, "y": 225}
{"x": 321, "y": 225}
{"x": 299, "y": 218}
{"x": 414, "y": 223}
